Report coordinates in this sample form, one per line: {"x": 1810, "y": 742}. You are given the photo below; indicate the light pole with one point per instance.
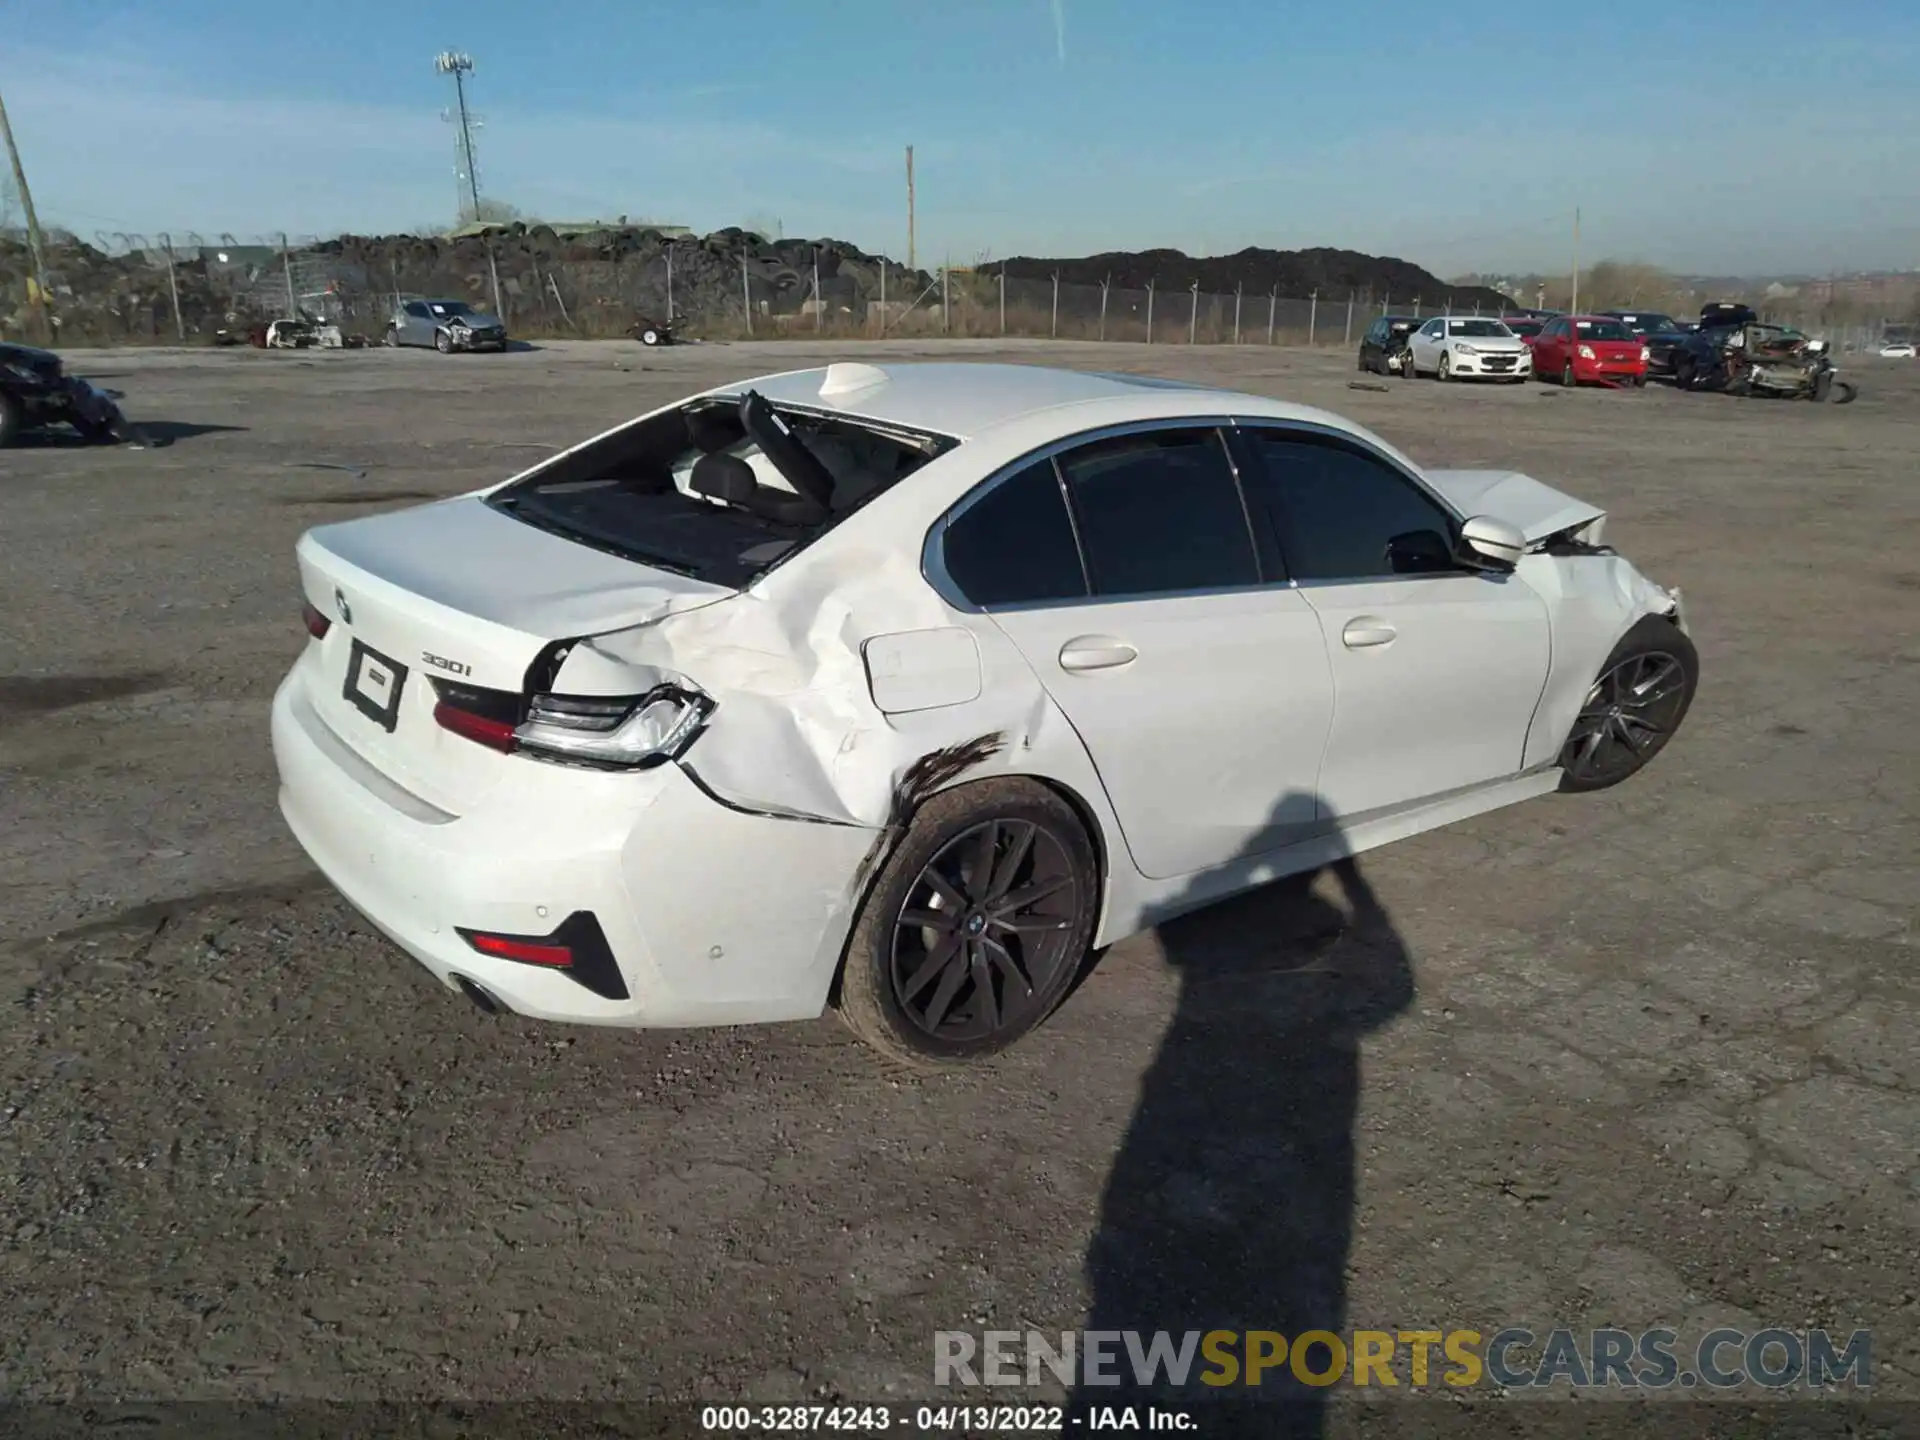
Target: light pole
{"x": 459, "y": 64}
{"x": 37, "y": 311}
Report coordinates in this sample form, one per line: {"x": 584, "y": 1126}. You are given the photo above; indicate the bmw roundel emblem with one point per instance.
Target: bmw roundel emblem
{"x": 340, "y": 604}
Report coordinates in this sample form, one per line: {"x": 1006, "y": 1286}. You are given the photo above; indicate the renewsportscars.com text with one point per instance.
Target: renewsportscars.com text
{"x": 1513, "y": 1358}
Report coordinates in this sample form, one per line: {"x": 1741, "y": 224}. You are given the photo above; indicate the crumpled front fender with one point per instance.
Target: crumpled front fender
{"x": 1593, "y": 600}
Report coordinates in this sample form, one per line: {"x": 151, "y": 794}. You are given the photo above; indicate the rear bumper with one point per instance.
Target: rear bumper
{"x": 713, "y": 916}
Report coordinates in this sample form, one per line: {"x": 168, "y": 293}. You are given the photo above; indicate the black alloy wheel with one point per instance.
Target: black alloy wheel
{"x": 1643, "y": 693}
{"x": 976, "y": 927}
{"x": 980, "y": 935}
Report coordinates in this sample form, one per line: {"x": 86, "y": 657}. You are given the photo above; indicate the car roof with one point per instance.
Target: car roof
{"x": 965, "y": 399}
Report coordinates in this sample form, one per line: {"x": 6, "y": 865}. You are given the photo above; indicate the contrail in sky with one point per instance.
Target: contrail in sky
{"x": 1060, "y": 29}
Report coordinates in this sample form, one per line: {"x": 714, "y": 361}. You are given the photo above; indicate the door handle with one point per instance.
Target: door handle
{"x": 1096, "y": 652}
{"x": 1365, "y": 630}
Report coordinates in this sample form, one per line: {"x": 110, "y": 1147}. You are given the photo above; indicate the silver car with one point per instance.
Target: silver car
{"x": 446, "y": 325}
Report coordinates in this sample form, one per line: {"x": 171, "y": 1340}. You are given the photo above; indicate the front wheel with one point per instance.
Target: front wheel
{"x": 443, "y": 342}
{"x": 1567, "y": 378}
{"x": 1644, "y": 691}
{"x": 650, "y": 336}
{"x": 1683, "y": 372}
{"x": 976, "y": 926}
{"x": 1445, "y": 372}
{"x": 13, "y": 419}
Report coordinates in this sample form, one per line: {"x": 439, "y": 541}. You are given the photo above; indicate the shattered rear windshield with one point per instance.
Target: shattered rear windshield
{"x": 635, "y": 492}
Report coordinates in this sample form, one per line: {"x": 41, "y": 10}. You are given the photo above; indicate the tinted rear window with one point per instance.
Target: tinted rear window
{"x": 1015, "y": 543}
{"x": 1160, "y": 512}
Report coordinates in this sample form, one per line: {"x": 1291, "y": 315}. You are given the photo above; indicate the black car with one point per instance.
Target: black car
{"x": 1694, "y": 353}
{"x": 1645, "y": 322}
{"x": 1383, "y": 348}
{"x": 35, "y": 390}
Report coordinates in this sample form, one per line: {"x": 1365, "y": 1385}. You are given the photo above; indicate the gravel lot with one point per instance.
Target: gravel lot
{"x": 1647, "y": 1058}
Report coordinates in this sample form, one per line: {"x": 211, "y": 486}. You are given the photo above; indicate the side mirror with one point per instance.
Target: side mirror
{"x": 1490, "y": 544}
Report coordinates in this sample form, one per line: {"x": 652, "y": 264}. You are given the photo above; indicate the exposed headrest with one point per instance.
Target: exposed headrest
{"x": 723, "y": 477}
{"x": 713, "y": 428}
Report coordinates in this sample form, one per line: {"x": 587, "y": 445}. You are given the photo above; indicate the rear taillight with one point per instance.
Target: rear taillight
{"x": 606, "y": 732}
{"x": 494, "y": 734}
{"x": 628, "y": 732}
{"x": 473, "y": 712}
{"x": 316, "y": 623}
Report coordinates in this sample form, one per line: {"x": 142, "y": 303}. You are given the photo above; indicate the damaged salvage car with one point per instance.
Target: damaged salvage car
{"x": 899, "y": 689}
{"x": 1741, "y": 355}
{"x": 446, "y": 325}
{"x": 36, "y": 391}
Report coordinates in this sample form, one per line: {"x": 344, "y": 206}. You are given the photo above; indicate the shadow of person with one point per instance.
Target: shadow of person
{"x": 1230, "y": 1204}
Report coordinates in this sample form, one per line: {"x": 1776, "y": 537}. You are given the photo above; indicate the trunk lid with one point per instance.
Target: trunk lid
{"x": 1537, "y": 511}
{"x": 456, "y": 592}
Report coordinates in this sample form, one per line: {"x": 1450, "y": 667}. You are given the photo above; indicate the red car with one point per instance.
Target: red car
{"x": 1527, "y": 327}
{"x": 1589, "y": 349}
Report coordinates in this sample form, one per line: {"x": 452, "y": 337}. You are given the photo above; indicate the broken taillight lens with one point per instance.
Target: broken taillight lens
{"x": 316, "y": 623}
{"x": 607, "y": 732}
{"x": 628, "y": 732}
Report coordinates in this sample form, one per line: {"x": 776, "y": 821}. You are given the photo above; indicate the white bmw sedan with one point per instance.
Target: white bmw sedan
{"x": 1468, "y": 347}
{"x": 897, "y": 689}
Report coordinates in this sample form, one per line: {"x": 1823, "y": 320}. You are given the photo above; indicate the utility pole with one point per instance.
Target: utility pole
{"x": 460, "y": 65}
{"x": 910, "y": 265}
{"x": 1575, "y": 307}
{"x": 36, "y": 253}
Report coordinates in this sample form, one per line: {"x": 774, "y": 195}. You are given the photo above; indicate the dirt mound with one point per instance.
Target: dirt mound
{"x": 1291, "y": 273}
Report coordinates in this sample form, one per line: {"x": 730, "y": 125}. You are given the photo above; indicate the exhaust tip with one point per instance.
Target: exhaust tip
{"x": 480, "y": 997}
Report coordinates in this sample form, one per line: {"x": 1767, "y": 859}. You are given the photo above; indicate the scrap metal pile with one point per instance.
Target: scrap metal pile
{"x": 590, "y": 282}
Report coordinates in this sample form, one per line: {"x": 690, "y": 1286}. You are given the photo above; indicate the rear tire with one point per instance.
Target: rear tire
{"x": 1000, "y": 877}
{"x": 13, "y": 419}
{"x": 1634, "y": 708}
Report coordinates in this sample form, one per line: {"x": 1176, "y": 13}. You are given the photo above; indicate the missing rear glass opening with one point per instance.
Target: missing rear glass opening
{"x": 721, "y": 489}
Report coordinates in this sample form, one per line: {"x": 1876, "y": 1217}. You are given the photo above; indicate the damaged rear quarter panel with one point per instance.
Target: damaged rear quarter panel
{"x": 795, "y": 729}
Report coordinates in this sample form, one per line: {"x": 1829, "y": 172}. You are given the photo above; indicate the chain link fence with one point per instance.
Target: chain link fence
{"x": 117, "y": 288}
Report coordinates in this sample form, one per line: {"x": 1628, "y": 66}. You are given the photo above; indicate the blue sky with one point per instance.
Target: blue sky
{"x": 1460, "y": 136}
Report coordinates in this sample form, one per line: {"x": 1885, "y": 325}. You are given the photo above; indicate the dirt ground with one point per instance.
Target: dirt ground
{"x": 1647, "y": 1058}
